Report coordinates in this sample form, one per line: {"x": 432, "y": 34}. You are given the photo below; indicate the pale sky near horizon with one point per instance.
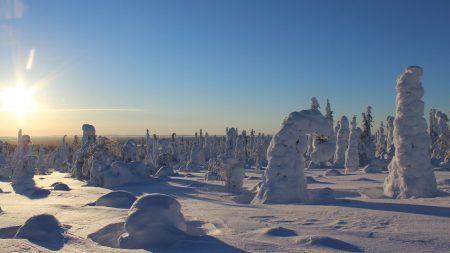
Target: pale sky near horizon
{"x": 181, "y": 65}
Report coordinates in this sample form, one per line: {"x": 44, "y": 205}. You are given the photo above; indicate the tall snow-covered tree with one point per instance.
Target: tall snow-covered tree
{"x": 410, "y": 171}
{"x": 329, "y": 114}
{"x": 351, "y": 154}
{"x": 367, "y": 143}
{"x": 381, "y": 142}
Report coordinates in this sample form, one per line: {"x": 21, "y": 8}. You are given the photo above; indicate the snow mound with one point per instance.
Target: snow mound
{"x": 365, "y": 179}
{"x": 332, "y": 172}
{"x": 327, "y": 242}
{"x": 109, "y": 235}
{"x": 372, "y": 169}
{"x": 55, "y": 183}
{"x": 321, "y": 196}
{"x": 311, "y": 180}
{"x": 165, "y": 171}
{"x": 117, "y": 199}
{"x": 37, "y": 193}
{"x": 61, "y": 187}
{"x": 154, "y": 221}
{"x": 444, "y": 181}
{"x": 280, "y": 232}
{"x": 43, "y": 229}
{"x": 8, "y": 232}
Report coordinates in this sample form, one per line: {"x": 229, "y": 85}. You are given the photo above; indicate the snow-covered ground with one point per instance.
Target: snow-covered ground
{"x": 222, "y": 222}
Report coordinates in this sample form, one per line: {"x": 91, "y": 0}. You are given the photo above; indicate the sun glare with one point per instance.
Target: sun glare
{"x": 18, "y": 99}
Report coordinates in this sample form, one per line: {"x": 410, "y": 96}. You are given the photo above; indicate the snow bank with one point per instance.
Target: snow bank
{"x": 117, "y": 199}
{"x": 43, "y": 228}
{"x": 154, "y": 220}
{"x": 327, "y": 242}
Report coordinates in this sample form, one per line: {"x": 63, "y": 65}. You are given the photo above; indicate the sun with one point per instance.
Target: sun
{"x": 18, "y": 99}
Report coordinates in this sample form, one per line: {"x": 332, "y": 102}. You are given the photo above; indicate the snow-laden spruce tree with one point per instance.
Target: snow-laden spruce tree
{"x": 194, "y": 164}
{"x": 342, "y": 142}
{"x": 284, "y": 179}
{"x": 148, "y": 160}
{"x": 129, "y": 151}
{"x": 240, "y": 149}
{"x": 410, "y": 171}
{"x": 336, "y": 129}
{"x": 367, "y": 142}
{"x": 24, "y": 170}
{"x": 314, "y": 104}
{"x": 82, "y": 154}
{"x": 381, "y": 142}
{"x": 329, "y": 114}
{"x": 390, "y": 148}
{"x": 324, "y": 147}
{"x": 441, "y": 143}
{"x": 41, "y": 163}
{"x": 227, "y": 167}
{"x": 5, "y": 168}
{"x": 351, "y": 154}
{"x": 432, "y": 129}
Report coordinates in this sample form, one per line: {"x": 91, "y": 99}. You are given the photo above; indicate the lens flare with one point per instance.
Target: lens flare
{"x": 18, "y": 99}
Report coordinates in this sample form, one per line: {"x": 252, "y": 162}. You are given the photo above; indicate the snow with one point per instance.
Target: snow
{"x": 154, "y": 220}
{"x": 117, "y": 199}
{"x": 43, "y": 229}
{"x": 284, "y": 180}
{"x": 342, "y": 142}
{"x": 410, "y": 171}
{"x": 153, "y": 194}
{"x": 215, "y": 221}
{"x": 351, "y": 154}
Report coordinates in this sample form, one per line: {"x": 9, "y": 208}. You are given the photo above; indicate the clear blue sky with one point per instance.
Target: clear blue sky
{"x": 211, "y": 64}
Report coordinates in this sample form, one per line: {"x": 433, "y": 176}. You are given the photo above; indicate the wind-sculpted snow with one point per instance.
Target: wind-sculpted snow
{"x": 154, "y": 220}
{"x": 117, "y": 199}
{"x": 284, "y": 179}
{"x": 410, "y": 171}
{"x": 43, "y": 229}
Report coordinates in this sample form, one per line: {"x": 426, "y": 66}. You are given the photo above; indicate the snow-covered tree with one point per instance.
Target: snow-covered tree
{"x": 410, "y": 171}
{"x": 367, "y": 142}
{"x": 351, "y": 154}
{"x": 315, "y": 103}
{"x": 329, "y": 114}
{"x": 342, "y": 142}
{"x": 284, "y": 180}
{"x": 381, "y": 142}
{"x": 441, "y": 144}
{"x": 390, "y": 148}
